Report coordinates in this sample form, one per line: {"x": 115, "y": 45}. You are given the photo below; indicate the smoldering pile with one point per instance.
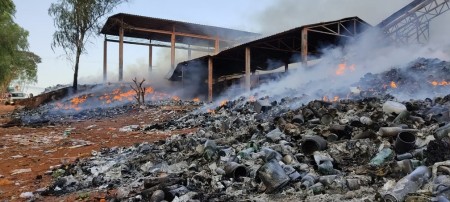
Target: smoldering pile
{"x": 94, "y": 102}
{"x": 346, "y": 150}
{"x": 420, "y": 79}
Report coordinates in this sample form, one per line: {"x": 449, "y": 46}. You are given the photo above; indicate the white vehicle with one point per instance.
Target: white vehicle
{"x": 13, "y": 96}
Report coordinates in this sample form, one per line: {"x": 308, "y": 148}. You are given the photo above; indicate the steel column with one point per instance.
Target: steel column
{"x": 189, "y": 52}
{"x": 286, "y": 67}
{"x": 105, "y": 61}
{"x": 150, "y": 57}
{"x": 210, "y": 79}
{"x": 172, "y": 50}
{"x": 304, "y": 50}
{"x": 247, "y": 69}
{"x": 120, "y": 53}
{"x": 216, "y": 45}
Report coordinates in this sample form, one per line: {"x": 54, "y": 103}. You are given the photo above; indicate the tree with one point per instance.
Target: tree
{"x": 16, "y": 62}
{"x": 76, "y": 21}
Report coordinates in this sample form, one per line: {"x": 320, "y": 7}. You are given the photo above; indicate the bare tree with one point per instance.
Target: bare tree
{"x": 140, "y": 91}
{"x": 76, "y": 21}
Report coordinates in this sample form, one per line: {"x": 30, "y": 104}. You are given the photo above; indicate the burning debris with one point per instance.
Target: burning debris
{"x": 264, "y": 149}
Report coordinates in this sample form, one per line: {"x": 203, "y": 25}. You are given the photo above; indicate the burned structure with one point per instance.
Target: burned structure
{"x": 300, "y": 44}
{"x": 231, "y": 57}
{"x": 154, "y": 32}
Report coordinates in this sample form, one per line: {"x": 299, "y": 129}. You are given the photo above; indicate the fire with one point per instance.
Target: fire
{"x": 439, "y": 83}
{"x": 120, "y": 94}
{"x": 176, "y": 98}
{"x": 342, "y": 68}
{"x": 393, "y": 84}
{"x": 336, "y": 98}
{"x": 223, "y": 102}
{"x": 78, "y": 100}
{"x": 149, "y": 90}
{"x": 127, "y": 95}
{"x": 251, "y": 99}
{"x": 326, "y": 99}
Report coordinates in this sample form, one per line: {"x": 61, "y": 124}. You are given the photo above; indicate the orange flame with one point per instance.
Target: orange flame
{"x": 393, "y": 84}
{"x": 196, "y": 99}
{"x": 440, "y": 83}
{"x": 326, "y": 99}
{"x": 149, "y": 90}
{"x": 176, "y": 98}
{"x": 223, "y": 102}
{"x": 342, "y": 68}
{"x": 251, "y": 99}
{"x": 127, "y": 95}
{"x": 336, "y": 98}
{"x": 78, "y": 100}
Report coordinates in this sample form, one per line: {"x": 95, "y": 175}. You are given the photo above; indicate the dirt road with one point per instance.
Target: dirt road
{"x": 26, "y": 154}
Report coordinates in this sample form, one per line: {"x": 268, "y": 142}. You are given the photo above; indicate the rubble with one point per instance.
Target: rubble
{"x": 357, "y": 149}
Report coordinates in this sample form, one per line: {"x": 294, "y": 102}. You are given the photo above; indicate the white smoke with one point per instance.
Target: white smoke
{"x": 369, "y": 53}
{"x": 287, "y": 14}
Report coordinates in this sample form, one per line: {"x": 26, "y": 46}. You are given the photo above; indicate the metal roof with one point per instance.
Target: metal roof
{"x": 135, "y": 26}
{"x": 269, "y": 52}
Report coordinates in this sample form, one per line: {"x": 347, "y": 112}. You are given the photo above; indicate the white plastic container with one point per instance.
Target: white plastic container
{"x": 393, "y": 107}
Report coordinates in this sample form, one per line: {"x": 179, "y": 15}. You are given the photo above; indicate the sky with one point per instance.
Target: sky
{"x": 261, "y": 16}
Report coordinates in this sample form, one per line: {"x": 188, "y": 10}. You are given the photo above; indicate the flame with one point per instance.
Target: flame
{"x": 393, "y": 84}
{"x": 210, "y": 111}
{"x": 342, "y": 68}
{"x": 439, "y": 83}
{"x": 336, "y": 98}
{"x": 223, "y": 102}
{"x": 119, "y": 94}
{"x": 176, "y": 98}
{"x": 326, "y": 99}
{"x": 251, "y": 99}
{"x": 149, "y": 90}
{"x": 127, "y": 95}
{"x": 78, "y": 100}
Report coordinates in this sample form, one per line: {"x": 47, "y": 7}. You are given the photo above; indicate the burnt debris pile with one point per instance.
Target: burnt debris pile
{"x": 365, "y": 148}
{"x": 346, "y": 150}
{"x": 419, "y": 79}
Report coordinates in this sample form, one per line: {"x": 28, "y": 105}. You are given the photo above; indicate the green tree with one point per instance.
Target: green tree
{"x": 16, "y": 62}
{"x": 76, "y": 21}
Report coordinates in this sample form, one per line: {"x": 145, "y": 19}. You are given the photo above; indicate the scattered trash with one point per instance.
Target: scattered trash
{"x": 19, "y": 171}
{"x": 129, "y": 128}
{"x": 26, "y": 195}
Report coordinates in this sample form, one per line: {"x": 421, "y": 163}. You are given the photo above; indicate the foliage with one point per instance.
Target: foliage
{"x": 16, "y": 62}
{"x": 76, "y": 21}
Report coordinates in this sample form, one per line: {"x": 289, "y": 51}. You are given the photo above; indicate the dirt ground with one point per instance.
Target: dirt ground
{"x": 27, "y": 153}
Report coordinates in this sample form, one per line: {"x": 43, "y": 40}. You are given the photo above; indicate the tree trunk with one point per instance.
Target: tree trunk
{"x": 75, "y": 74}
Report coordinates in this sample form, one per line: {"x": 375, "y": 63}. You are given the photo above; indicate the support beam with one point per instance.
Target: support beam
{"x": 247, "y": 69}
{"x": 121, "y": 53}
{"x": 172, "y": 50}
{"x": 150, "y": 57}
{"x": 105, "y": 61}
{"x": 189, "y": 52}
{"x": 216, "y": 45}
{"x": 304, "y": 50}
{"x": 210, "y": 79}
{"x": 160, "y": 45}
{"x": 286, "y": 67}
